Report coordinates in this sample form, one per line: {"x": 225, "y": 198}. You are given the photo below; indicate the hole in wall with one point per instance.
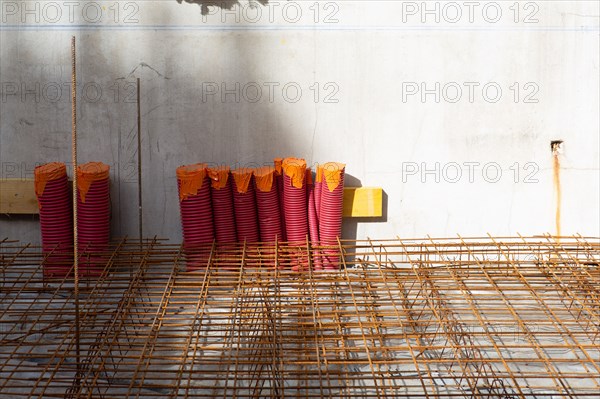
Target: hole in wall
{"x": 556, "y": 146}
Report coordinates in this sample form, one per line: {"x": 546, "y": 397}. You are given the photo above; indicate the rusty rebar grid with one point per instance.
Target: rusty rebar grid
{"x": 497, "y": 317}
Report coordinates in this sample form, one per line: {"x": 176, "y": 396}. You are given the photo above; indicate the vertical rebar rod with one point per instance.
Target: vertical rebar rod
{"x": 75, "y": 246}
{"x": 139, "y": 153}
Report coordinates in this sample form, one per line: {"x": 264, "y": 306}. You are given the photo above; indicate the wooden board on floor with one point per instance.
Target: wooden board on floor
{"x": 17, "y": 196}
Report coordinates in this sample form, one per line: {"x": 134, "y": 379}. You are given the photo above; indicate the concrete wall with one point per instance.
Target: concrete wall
{"x": 223, "y": 88}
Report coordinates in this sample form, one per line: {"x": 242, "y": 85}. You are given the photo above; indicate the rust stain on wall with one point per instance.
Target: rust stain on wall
{"x": 555, "y": 145}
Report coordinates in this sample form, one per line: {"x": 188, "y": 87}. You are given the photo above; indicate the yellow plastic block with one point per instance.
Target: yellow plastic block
{"x": 363, "y": 202}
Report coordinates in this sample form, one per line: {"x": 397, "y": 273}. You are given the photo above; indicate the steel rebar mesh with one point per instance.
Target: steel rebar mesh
{"x": 478, "y": 317}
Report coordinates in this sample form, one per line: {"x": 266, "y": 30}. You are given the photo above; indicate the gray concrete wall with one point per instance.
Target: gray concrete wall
{"x": 224, "y": 88}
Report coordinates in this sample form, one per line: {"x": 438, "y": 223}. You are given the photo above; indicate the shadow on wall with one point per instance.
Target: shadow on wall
{"x": 226, "y": 4}
{"x": 247, "y": 135}
{"x": 350, "y": 225}
{"x": 20, "y": 227}
{"x": 177, "y": 127}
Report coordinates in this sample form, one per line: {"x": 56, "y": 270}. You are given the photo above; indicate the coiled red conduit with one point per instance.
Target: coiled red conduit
{"x": 54, "y": 197}
{"x": 296, "y": 209}
{"x": 318, "y": 189}
{"x": 330, "y": 221}
{"x": 196, "y": 214}
{"x": 269, "y": 216}
{"x": 313, "y": 222}
{"x": 244, "y": 201}
{"x": 294, "y": 196}
{"x": 278, "y": 162}
{"x": 222, "y": 201}
{"x": 267, "y": 201}
{"x": 93, "y": 216}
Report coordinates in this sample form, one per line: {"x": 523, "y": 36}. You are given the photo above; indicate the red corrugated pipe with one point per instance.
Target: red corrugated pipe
{"x": 278, "y": 162}
{"x": 318, "y": 189}
{"x": 196, "y": 214}
{"x": 244, "y": 201}
{"x": 267, "y": 199}
{"x": 222, "y": 201}
{"x": 93, "y": 216}
{"x": 54, "y": 195}
{"x": 330, "y": 220}
{"x": 269, "y": 216}
{"x": 313, "y": 222}
{"x": 296, "y": 209}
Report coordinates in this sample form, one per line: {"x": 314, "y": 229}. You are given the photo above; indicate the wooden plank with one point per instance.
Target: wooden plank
{"x": 363, "y": 202}
{"x": 17, "y": 196}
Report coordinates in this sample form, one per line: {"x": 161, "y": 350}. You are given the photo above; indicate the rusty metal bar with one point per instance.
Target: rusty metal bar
{"x": 475, "y": 317}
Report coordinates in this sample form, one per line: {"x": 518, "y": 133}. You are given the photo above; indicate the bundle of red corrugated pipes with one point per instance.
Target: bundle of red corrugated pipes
{"x": 54, "y": 194}
{"x": 268, "y": 204}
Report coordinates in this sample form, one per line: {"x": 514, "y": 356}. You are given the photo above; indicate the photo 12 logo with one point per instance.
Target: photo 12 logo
{"x": 118, "y": 91}
{"x": 472, "y": 12}
{"x": 270, "y": 92}
{"x": 469, "y": 172}
{"x": 69, "y": 12}
{"x": 290, "y": 12}
{"x": 471, "y": 92}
